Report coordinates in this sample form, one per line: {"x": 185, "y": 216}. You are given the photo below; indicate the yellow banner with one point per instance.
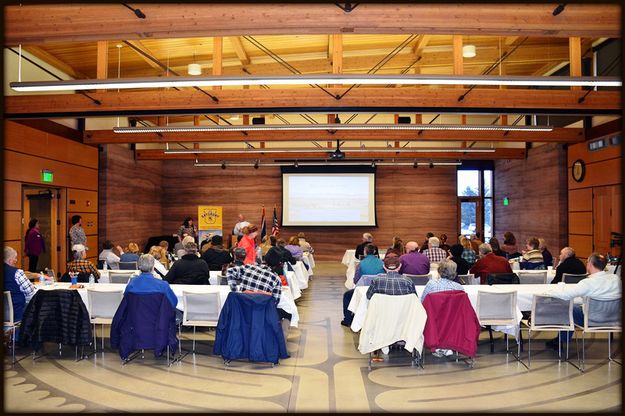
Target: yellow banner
{"x": 209, "y": 217}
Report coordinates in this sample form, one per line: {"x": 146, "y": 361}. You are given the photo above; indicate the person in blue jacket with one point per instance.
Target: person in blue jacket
{"x": 147, "y": 283}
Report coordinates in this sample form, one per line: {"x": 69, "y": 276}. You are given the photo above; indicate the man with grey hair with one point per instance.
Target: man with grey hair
{"x": 489, "y": 263}
{"x": 80, "y": 264}
{"x": 16, "y": 282}
{"x": 367, "y": 238}
{"x": 434, "y": 252}
{"x": 145, "y": 282}
{"x": 445, "y": 281}
{"x": 189, "y": 269}
{"x": 568, "y": 264}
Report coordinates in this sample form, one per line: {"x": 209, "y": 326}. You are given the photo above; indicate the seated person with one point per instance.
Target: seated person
{"x": 467, "y": 253}
{"x": 109, "y": 257}
{"x": 205, "y": 244}
{"x": 281, "y": 252}
{"x": 295, "y": 248}
{"x": 509, "y": 245}
{"x": 131, "y": 254}
{"x": 443, "y": 245}
{"x": 305, "y": 245}
{"x": 532, "y": 254}
{"x": 547, "y": 256}
{"x": 159, "y": 268}
{"x": 166, "y": 257}
{"x": 434, "y": 252}
{"x": 397, "y": 246}
{"x": 414, "y": 262}
{"x": 189, "y": 269}
{"x": 80, "y": 264}
{"x": 424, "y": 246}
{"x": 497, "y": 251}
{"x": 370, "y": 265}
{"x": 16, "y": 282}
{"x": 462, "y": 266}
{"x": 146, "y": 283}
{"x": 181, "y": 250}
{"x": 238, "y": 257}
{"x": 367, "y": 238}
{"x": 447, "y": 274}
{"x": 599, "y": 285}
{"x": 268, "y": 242}
{"x": 391, "y": 283}
{"x": 568, "y": 264}
{"x": 475, "y": 241}
{"x": 489, "y": 263}
{"x": 216, "y": 257}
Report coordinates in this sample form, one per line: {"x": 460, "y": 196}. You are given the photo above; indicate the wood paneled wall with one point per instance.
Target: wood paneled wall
{"x": 536, "y": 188}
{"x": 595, "y": 203}
{"x": 410, "y": 202}
{"x": 26, "y": 152}
{"x": 131, "y": 197}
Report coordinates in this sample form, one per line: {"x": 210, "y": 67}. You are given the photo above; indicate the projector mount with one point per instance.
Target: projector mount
{"x": 338, "y": 154}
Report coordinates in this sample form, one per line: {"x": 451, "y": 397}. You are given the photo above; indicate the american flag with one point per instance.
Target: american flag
{"x": 275, "y": 228}
{"x": 263, "y": 226}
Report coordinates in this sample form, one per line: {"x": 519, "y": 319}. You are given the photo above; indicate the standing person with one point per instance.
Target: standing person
{"x": 187, "y": 228}
{"x": 77, "y": 233}
{"x": 247, "y": 242}
{"x": 34, "y": 244}
{"x": 238, "y": 227}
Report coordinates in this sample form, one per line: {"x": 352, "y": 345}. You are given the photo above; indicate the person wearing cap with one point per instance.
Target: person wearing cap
{"x": 414, "y": 262}
{"x": 80, "y": 264}
{"x": 391, "y": 283}
{"x": 190, "y": 269}
{"x": 216, "y": 256}
{"x": 248, "y": 243}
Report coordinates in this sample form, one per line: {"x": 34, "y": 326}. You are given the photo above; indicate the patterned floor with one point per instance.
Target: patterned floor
{"x": 325, "y": 373}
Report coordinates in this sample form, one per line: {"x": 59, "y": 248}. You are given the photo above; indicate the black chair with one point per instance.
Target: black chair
{"x": 572, "y": 278}
{"x": 526, "y": 265}
{"x": 127, "y": 265}
{"x": 502, "y": 279}
{"x": 83, "y": 277}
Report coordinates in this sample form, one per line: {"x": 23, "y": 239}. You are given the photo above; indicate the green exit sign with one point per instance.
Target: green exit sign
{"x": 47, "y": 176}
{"x": 506, "y": 201}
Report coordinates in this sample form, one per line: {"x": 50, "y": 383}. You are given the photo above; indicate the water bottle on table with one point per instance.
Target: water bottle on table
{"x": 91, "y": 280}
{"x": 42, "y": 279}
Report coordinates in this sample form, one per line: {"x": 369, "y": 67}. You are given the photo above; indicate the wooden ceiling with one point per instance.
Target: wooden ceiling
{"x": 87, "y": 41}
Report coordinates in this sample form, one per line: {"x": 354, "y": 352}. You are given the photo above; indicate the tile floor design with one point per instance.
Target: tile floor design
{"x": 325, "y": 373}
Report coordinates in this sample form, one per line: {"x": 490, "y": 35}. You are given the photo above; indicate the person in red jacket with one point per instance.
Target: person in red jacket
{"x": 489, "y": 263}
{"x": 248, "y": 243}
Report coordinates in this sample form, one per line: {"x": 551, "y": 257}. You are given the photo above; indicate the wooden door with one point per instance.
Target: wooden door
{"x": 607, "y": 205}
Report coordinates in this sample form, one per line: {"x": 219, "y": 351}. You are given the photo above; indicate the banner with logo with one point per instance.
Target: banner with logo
{"x": 209, "y": 221}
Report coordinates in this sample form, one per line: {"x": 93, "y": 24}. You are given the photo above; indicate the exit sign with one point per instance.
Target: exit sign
{"x": 47, "y": 176}
{"x": 506, "y": 201}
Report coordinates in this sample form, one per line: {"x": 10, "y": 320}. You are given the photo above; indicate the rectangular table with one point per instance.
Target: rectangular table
{"x": 286, "y": 303}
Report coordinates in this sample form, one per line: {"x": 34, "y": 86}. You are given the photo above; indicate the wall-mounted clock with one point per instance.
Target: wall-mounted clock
{"x": 579, "y": 170}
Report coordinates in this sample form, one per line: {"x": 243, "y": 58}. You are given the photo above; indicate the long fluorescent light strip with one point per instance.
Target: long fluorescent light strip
{"x": 328, "y": 150}
{"x": 331, "y": 163}
{"x": 158, "y": 82}
{"x": 296, "y": 127}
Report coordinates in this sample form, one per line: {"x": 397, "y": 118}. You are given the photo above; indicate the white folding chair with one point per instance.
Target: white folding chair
{"x": 102, "y": 308}
{"x": 9, "y": 321}
{"x": 469, "y": 279}
{"x": 571, "y": 278}
{"x": 550, "y": 314}
{"x": 419, "y": 279}
{"x": 200, "y": 309}
{"x": 532, "y": 278}
{"x": 499, "y": 308}
{"x": 600, "y": 316}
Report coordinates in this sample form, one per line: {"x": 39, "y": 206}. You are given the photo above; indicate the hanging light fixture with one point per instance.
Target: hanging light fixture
{"x": 194, "y": 68}
{"x": 468, "y": 51}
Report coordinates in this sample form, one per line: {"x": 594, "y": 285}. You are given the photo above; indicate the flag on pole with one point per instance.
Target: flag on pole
{"x": 263, "y": 226}
{"x": 275, "y": 228}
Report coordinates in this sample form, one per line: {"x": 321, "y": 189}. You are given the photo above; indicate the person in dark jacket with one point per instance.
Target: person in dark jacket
{"x": 280, "y": 252}
{"x": 34, "y": 244}
{"x": 497, "y": 251}
{"x": 16, "y": 282}
{"x": 568, "y": 264}
{"x": 190, "y": 269}
{"x": 456, "y": 256}
{"x": 216, "y": 256}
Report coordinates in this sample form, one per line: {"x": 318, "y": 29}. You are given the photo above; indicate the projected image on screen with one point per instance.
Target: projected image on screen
{"x": 328, "y": 199}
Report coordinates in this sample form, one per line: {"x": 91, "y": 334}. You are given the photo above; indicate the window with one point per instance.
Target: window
{"x": 475, "y": 202}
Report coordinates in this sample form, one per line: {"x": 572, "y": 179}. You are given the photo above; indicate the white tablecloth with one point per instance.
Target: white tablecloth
{"x": 286, "y": 299}
{"x": 301, "y": 275}
{"x": 525, "y": 293}
{"x": 296, "y": 292}
{"x": 350, "y": 260}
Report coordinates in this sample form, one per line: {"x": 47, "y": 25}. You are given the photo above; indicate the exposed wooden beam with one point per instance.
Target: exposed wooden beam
{"x": 35, "y": 24}
{"x": 330, "y": 48}
{"x": 54, "y": 61}
{"x": 421, "y": 43}
{"x": 337, "y": 54}
{"x": 102, "y": 66}
{"x": 156, "y": 154}
{"x": 389, "y": 100}
{"x": 558, "y": 135}
{"x": 218, "y": 48}
{"x": 457, "y": 57}
{"x": 236, "y": 43}
{"x": 575, "y": 60}
{"x": 139, "y": 45}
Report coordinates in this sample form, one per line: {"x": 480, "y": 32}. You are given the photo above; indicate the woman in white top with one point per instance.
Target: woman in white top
{"x": 107, "y": 255}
